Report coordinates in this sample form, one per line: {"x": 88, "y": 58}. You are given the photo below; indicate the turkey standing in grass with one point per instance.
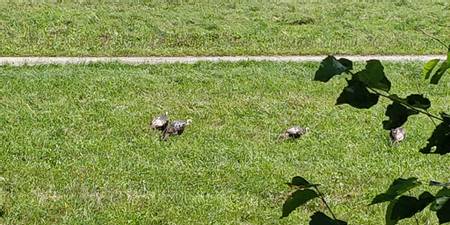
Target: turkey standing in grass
{"x": 175, "y": 128}
{"x": 397, "y": 135}
{"x": 160, "y": 122}
{"x": 293, "y": 132}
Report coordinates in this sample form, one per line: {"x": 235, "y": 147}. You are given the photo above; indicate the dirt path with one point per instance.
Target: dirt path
{"x": 18, "y": 61}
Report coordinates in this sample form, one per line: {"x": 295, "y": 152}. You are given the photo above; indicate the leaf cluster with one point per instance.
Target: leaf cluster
{"x": 365, "y": 87}
{"x": 405, "y": 206}
{"x": 363, "y": 90}
{"x": 303, "y": 193}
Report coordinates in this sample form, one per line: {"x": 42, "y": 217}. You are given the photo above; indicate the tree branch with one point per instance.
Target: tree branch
{"x": 406, "y": 105}
{"x": 431, "y": 116}
{"x": 325, "y": 202}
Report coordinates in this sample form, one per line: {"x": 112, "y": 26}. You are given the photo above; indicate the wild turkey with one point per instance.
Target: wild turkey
{"x": 397, "y": 135}
{"x": 160, "y": 122}
{"x": 293, "y": 132}
{"x": 175, "y": 128}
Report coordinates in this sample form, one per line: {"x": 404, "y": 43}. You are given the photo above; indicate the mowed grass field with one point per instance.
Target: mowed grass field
{"x": 76, "y": 148}
{"x": 204, "y": 27}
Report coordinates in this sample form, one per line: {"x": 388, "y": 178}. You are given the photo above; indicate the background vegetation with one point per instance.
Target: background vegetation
{"x": 176, "y": 27}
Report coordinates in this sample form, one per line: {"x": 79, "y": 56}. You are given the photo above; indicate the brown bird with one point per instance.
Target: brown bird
{"x": 293, "y": 132}
{"x": 397, "y": 134}
{"x": 160, "y": 122}
{"x": 175, "y": 128}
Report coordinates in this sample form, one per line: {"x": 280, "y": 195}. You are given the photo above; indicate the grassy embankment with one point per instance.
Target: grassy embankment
{"x": 168, "y": 28}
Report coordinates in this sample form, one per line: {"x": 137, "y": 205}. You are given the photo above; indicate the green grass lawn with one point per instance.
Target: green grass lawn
{"x": 76, "y": 148}
{"x": 166, "y": 28}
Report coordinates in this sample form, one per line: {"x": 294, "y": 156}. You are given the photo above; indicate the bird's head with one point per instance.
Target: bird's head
{"x": 397, "y": 130}
{"x": 304, "y": 130}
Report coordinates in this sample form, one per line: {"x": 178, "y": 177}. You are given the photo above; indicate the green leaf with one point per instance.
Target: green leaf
{"x": 398, "y": 115}
{"x": 439, "y": 184}
{"x": 389, "y": 210}
{"x": 301, "y": 182}
{"x": 297, "y": 199}
{"x": 444, "y": 192}
{"x": 428, "y": 68}
{"x": 445, "y": 117}
{"x": 439, "y": 142}
{"x": 357, "y": 95}
{"x": 443, "y": 213}
{"x": 373, "y": 76}
{"x": 406, "y": 207}
{"x": 442, "y": 69}
{"x": 319, "y": 218}
{"x": 330, "y": 67}
{"x": 442, "y": 197}
{"x": 418, "y": 101}
{"x": 442, "y": 205}
{"x": 439, "y": 73}
{"x": 439, "y": 203}
{"x": 424, "y": 200}
{"x": 398, "y": 187}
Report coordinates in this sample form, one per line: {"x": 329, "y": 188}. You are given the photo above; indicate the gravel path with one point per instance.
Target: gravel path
{"x": 18, "y": 61}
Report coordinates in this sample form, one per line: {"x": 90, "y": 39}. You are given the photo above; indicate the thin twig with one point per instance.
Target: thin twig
{"x": 325, "y": 202}
{"x": 406, "y": 105}
{"x": 432, "y": 120}
{"x": 434, "y": 38}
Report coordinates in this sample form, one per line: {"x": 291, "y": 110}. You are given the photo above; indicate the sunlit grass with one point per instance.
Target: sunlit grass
{"x": 76, "y": 149}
